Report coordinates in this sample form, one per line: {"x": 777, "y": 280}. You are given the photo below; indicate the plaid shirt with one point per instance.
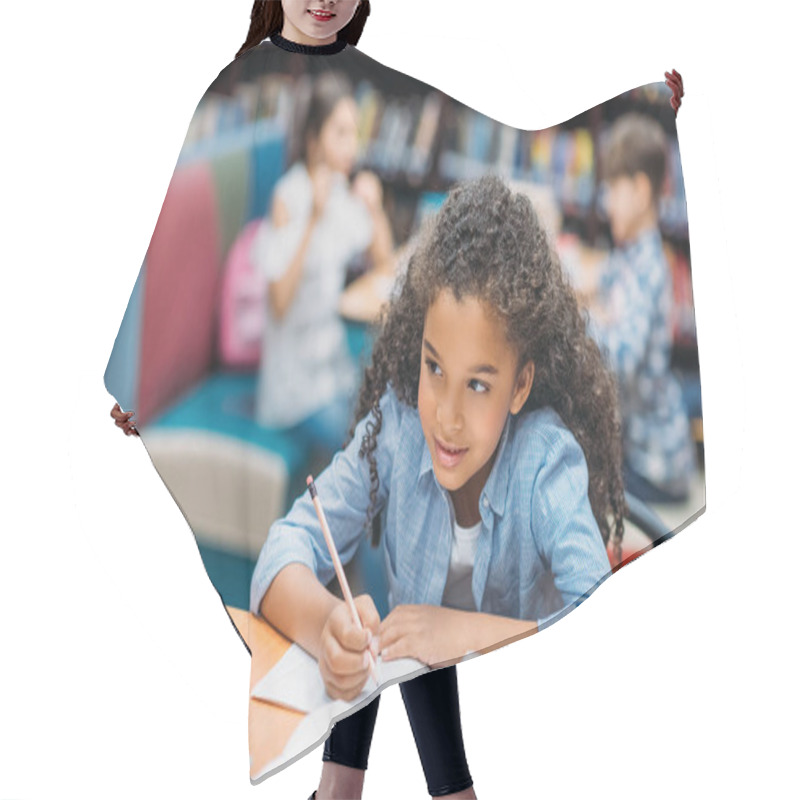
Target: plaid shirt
{"x": 539, "y": 553}
{"x": 636, "y": 294}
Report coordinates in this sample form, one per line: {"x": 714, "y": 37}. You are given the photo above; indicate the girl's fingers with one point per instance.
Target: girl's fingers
{"x": 350, "y": 683}
{"x": 122, "y": 418}
{"x": 348, "y": 634}
{"x": 346, "y": 687}
{"x": 338, "y": 692}
{"x": 341, "y": 661}
{"x": 399, "y": 648}
{"x": 674, "y": 74}
{"x": 674, "y": 81}
{"x": 677, "y": 90}
{"x": 367, "y": 612}
{"x": 128, "y": 427}
{"x": 390, "y": 634}
{"x": 675, "y": 84}
{"x": 354, "y": 639}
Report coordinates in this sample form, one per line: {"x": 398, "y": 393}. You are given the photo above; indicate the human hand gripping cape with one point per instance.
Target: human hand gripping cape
{"x": 250, "y": 324}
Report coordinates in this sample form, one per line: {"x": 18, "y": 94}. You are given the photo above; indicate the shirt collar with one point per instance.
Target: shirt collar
{"x": 496, "y": 488}
{"x": 309, "y": 49}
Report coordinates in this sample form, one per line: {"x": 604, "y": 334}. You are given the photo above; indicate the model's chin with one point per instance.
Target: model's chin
{"x": 450, "y": 478}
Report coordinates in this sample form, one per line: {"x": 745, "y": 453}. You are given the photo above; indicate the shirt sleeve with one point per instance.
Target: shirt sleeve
{"x": 343, "y": 488}
{"x": 629, "y": 294}
{"x": 565, "y": 528}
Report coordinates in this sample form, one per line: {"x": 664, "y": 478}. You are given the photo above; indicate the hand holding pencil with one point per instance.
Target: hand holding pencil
{"x": 345, "y": 622}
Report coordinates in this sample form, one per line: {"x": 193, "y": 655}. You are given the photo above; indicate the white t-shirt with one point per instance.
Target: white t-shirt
{"x": 458, "y": 589}
{"x": 305, "y": 361}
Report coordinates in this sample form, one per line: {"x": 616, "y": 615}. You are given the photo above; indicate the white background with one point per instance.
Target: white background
{"x": 120, "y": 674}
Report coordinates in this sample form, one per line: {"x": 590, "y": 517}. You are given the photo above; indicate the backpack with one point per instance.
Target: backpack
{"x": 242, "y": 304}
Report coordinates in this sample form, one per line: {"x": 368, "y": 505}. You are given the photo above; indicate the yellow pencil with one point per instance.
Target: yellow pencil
{"x": 337, "y": 565}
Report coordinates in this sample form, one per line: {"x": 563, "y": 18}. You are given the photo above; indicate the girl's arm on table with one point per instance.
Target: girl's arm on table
{"x": 302, "y": 608}
{"x": 294, "y": 566}
{"x": 567, "y": 538}
{"x": 440, "y": 636}
{"x": 296, "y": 540}
{"x": 298, "y": 605}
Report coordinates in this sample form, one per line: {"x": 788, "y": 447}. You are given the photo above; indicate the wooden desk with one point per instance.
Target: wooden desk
{"x": 269, "y": 726}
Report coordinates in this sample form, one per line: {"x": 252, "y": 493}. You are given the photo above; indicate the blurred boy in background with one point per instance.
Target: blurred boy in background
{"x": 631, "y": 313}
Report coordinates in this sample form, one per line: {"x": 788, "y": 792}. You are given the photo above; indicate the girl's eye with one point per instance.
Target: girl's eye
{"x": 432, "y": 365}
{"x": 483, "y": 387}
{"x": 478, "y": 386}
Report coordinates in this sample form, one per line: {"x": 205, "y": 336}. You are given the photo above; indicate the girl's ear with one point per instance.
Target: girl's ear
{"x": 523, "y": 387}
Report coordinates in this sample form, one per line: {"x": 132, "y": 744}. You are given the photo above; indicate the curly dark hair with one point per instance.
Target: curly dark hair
{"x": 487, "y": 242}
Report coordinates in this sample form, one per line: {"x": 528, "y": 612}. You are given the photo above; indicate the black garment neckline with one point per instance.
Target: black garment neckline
{"x": 309, "y": 49}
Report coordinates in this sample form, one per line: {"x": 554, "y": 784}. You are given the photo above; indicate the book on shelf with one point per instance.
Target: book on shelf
{"x": 564, "y": 159}
{"x": 425, "y": 138}
{"x": 397, "y": 134}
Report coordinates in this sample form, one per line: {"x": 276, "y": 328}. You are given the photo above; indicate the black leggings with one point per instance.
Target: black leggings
{"x": 431, "y": 701}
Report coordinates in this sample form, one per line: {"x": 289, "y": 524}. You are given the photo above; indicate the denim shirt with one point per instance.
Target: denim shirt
{"x": 539, "y": 554}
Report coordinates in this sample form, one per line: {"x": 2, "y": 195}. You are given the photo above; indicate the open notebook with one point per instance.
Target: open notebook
{"x": 295, "y": 682}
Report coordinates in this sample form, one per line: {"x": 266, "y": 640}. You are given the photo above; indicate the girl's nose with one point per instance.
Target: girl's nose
{"x": 448, "y": 415}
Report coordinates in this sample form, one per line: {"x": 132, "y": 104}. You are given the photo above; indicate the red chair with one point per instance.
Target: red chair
{"x": 180, "y": 290}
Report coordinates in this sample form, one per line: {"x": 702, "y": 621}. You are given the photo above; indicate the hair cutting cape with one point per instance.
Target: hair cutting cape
{"x": 223, "y": 389}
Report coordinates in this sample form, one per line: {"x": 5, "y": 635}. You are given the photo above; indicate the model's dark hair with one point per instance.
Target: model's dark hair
{"x": 266, "y": 19}
{"x": 635, "y": 143}
{"x": 488, "y": 243}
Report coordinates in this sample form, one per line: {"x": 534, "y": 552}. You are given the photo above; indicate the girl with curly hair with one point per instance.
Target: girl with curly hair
{"x": 488, "y": 445}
